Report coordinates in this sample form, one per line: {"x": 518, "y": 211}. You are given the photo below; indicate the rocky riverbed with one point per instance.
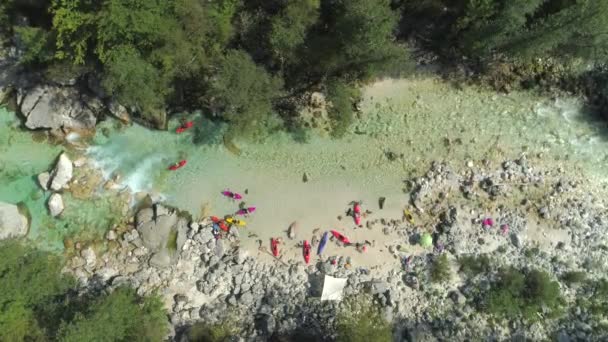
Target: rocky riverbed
{"x": 201, "y": 278}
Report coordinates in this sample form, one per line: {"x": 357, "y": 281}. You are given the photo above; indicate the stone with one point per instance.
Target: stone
{"x": 13, "y": 224}
{"x": 55, "y": 205}
{"x": 246, "y": 299}
{"x": 56, "y": 108}
{"x": 62, "y": 173}
{"x": 516, "y": 240}
{"x": 161, "y": 259}
{"x": 111, "y": 235}
{"x": 266, "y": 324}
{"x": 241, "y": 256}
{"x": 155, "y": 229}
{"x": 44, "y": 180}
{"x": 119, "y": 111}
{"x": 543, "y": 212}
{"x": 89, "y": 257}
{"x": 458, "y": 297}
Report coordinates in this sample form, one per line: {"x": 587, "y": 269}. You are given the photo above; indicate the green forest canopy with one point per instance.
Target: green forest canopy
{"x": 151, "y": 55}
{"x": 38, "y": 303}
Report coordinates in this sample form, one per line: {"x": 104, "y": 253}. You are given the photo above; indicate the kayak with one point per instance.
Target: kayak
{"x": 306, "y": 251}
{"x": 231, "y": 194}
{"x": 179, "y": 165}
{"x": 408, "y": 216}
{"x": 245, "y": 211}
{"x": 357, "y": 213}
{"x": 183, "y": 128}
{"x": 322, "y": 243}
{"x": 220, "y": 223}
{"x": 340, "y": 237}
{"x": 240, "y": 223}
{"x": 274, "y": 245}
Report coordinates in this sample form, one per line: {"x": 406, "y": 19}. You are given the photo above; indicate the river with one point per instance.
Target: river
{"x": 417, "y": 120}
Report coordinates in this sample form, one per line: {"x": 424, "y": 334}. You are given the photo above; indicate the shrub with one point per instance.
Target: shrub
{"x": 342, "y": 97}
{"x": 363, "y": 325}
{"x": 573, "y": 277}
{"x": 474, "y": 265}
{"x": 202, "y": 332}
{"x": 441, "y": 271}
{"x": 172, "y": 241}
{"x": 517, "y": 294}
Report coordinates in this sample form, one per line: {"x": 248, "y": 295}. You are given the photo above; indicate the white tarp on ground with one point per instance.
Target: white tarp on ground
{"x": 333, "y": 288}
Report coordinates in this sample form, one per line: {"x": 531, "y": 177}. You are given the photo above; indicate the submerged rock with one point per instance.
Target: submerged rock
{"x": 12, "y": 223}
{"x": 44, "y": 180}
{"x": 55, "y": 204}
{"x": 62, "y": 173}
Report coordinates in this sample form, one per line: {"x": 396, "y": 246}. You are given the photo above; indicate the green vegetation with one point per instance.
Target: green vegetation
{"x": 574, "y": 277}
{"x": 441, "y": 271}
{"x": 519, "y": 294}
{"x": 473, "y": 265}
{"x": 172, "y": 241}
{"x": 38, "y": 303}
{"x": 362, "y": 325}
{"x": 202, "y": 332}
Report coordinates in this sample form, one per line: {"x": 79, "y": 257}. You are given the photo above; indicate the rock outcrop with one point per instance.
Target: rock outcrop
{"x": 157, "y": 226}
{"x": 12, "y": 223}
{"x": 50, "y": 107}
{"x": 62, "y": 173}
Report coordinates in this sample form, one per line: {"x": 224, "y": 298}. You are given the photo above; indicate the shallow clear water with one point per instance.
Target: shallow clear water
{"x": 423, "y": 119}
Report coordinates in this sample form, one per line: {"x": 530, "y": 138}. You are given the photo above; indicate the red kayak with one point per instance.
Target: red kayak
{"x": 221, "y": 223}
{"x": 340, "y": 237}
{"x": 184, "y": 127}
{"x": 357, "y": 213}
{"x": 274, "y": 245}
{"x": 178, "y": 165}
{"x": 306, "y": 251}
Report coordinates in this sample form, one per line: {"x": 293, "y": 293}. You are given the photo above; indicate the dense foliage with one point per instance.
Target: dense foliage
{"x": 365, "y": 323}
{"x": 38, "y": 303}
{"x": 249, "y": 62}
{"x": 528, "y": 295}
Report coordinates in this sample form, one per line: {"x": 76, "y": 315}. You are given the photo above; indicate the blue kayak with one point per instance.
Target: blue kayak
{"x": 322, "y": 243}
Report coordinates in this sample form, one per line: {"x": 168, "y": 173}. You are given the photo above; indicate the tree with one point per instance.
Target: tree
{"x": 359, "y": 42}
{"x": 243, "y": 92}
{"x": 119, "y": 316}
{"x": 289, "y": 28}
{"x": 39, "y": 303}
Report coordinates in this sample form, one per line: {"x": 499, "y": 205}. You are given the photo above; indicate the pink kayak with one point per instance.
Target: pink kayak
{"x": 340, "y": 237}
{"x": 231, "y": 194}
{"x": 246, "y": 211}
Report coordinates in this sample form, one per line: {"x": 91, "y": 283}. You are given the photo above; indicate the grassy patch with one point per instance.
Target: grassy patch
{"x": 441, "y": 272}
{"x": 172, "y": 241}
{"x": 203, "y": 332}
{"x": 516, "y": 294}
{"x": 363, "y": 325}
{"x": 474, "y": 265}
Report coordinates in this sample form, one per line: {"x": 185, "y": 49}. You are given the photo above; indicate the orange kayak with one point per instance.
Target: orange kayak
{"x": 221, "y": 223}
{"x": 357, "y": 213}
{"x": 340, "y": 237}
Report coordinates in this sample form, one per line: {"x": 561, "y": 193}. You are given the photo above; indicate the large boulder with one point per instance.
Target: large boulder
{"x": 12, "y": 223}
{"x": 62, "y": 173}
{"x": 55, "y": 108}
{"x": 155, "y": 225}
{"x": 55, "y": 204}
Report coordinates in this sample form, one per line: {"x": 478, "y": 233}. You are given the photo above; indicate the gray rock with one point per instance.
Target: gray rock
{"x": 111, "y": 235}
{"x": 62, "y": 173}
{"x": 119, "y": 111}
{"x": 12, "y": 223}
{"x": 55, "y": 204}
{"x": 44, "y": 180}
{"x": 378, "y": 287}
{"x": 246, "y": 299}
{"x": 56, "y": 108}
{"x": 89, "y": 257}
{"x": 155, "y": 229}
{"x": 161, "y": 259}
{"x": 458, "y": 298}
{"x": 562, "y": 336}
{"x": 516, "y": 240}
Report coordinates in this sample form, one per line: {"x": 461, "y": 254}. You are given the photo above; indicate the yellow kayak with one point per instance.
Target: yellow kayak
{"x": 232, "y": 220}
{"x": 408, "y": 215}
